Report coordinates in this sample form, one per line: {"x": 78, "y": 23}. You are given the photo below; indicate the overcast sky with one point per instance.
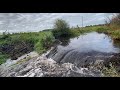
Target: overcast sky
{"x": 23, "y": 22}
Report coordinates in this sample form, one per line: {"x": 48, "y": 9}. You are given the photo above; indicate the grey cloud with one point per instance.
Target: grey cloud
{"x": 19, "y": 22}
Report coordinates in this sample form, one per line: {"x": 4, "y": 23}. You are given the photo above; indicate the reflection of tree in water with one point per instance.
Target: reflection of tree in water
{"x": 116, "y": 43}
{"x": 65, "y": 41}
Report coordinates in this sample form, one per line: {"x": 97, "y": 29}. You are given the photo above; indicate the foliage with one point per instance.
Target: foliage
{"x": 18, "y": 44}
{"x": 3, "y": 58}
{"x": 61, "y": 28}
{"x": 110, "y": 71}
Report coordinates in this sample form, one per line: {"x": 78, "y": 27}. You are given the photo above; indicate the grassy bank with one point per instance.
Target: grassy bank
{"x": 99, "y": 29}
{"x": 114, "y": 33}
{"x": 15, "y": 45}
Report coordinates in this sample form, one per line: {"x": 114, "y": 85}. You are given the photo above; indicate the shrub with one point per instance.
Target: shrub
{"x": 114, "y": 22}
{"x": 61, "y": 28}
{"x": 18, "y": 44}
{"x": 3, "y": 58}
{"x": 17, "y": 48}
{"x": 47, "y": 42}
{"x": 4, "y": 36}
{"x": 44, "y": 44}
{"x": 102, "y": 30}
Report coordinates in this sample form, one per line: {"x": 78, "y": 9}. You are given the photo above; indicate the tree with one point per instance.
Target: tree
{"x": 61, "y": 28}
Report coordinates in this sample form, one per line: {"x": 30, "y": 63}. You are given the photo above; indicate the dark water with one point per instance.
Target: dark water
{"x": 85, "y": 48}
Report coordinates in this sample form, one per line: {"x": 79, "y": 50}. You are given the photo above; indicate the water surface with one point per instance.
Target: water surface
{"x": 90, "y": 46}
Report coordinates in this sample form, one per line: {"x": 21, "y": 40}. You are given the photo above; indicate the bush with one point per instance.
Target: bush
{"x": 61, "y": 28}
{"x": 3, "y": 58}
{"x": 44, "y": 44}
{"x": 18, "y": 44}
{"x": 114, "y": 22}
{"x": 17, "y": 47}
{"x": 4, "y": 36}
{"x": 115, "y": 19}
{"x": 102, "y": 30}
{"x": 47, "y": 42}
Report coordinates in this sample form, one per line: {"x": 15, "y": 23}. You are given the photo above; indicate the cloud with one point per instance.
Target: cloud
{"x": 18, "y": 22}
{"x": 99, "y": 14}
{"x": 101, "y": 18}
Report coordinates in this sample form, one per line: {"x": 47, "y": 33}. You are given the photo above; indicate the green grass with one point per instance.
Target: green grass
{"x": 99, "y": 29}
{"x": 3, "y": 58}
{"x": 90, "y": 29}
{"x": 115, "y": 34}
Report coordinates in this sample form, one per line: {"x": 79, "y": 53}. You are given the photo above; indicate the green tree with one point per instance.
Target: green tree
{"x": 61, "y": 28}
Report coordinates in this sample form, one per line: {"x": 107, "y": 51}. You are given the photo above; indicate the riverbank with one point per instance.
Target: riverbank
{"x": 114, "y": 33}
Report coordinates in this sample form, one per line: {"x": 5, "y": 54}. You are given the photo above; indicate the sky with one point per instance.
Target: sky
{"x": 34, "y": 22}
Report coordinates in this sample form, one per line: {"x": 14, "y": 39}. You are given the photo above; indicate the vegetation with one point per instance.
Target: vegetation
{"x": 61, "y": 28}
{"x": 114, "y": 25}
{"x": 110, "y": 71}
{"x": 3, "y": 58}
{"x": 14, "y": 45}
{"x": 115, "y": 34}
{"x": 44, "y": 44}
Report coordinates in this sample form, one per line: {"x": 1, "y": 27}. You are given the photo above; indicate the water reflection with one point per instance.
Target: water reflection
{"x": 65, "y": 41}
{"x": 116, "y": 43}
{"x": 89, "y": 42}
{"x": 91, "y": 46}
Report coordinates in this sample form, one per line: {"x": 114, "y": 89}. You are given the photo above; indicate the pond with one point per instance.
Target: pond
{"x": 85, "y": 48}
